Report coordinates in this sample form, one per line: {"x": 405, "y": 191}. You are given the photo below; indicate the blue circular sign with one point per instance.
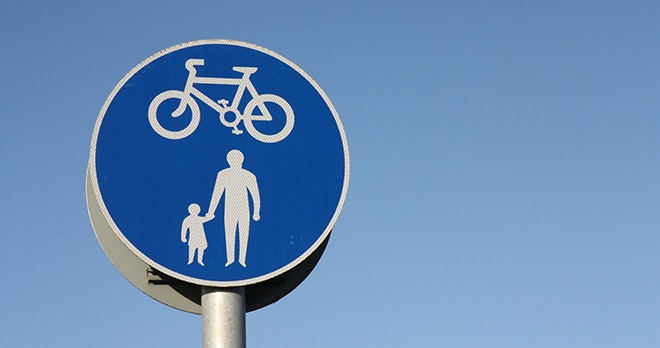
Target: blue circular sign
{"x": 219, "y": 163}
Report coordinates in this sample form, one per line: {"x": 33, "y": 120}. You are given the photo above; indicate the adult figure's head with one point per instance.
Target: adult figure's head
{"x": 235, "y": 158}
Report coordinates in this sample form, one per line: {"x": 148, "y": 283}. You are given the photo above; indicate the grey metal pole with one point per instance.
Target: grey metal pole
{"x": 223, "y": 317}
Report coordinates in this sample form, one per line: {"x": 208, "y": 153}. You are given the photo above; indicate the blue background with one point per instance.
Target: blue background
{"x": 147, "y": 181}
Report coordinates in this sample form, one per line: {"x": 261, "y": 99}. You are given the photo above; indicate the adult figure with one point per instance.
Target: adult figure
{"x": 235, "y": 183}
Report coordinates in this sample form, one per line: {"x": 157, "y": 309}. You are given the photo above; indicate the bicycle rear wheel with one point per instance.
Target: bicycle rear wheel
{"x": 183, "y": 98}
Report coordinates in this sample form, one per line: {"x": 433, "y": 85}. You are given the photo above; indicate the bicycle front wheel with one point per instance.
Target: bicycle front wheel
{"x": 183, "y": 101}
{"x": 280, "y": 116}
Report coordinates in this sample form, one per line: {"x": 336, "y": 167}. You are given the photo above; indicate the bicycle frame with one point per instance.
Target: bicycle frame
{"x": 188, "y": 97}
{"x": 243, "y": 83}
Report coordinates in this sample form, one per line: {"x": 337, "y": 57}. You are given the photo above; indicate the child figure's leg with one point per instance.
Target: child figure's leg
{"x": 191, "y": 254}
{"x": 200, "y": 256}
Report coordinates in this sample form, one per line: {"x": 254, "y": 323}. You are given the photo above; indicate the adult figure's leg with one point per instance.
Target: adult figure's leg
{"x": 230, "y": 237}
{"x": 244, "y": 236}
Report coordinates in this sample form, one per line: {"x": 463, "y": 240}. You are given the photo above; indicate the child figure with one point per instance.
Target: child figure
{"x": 193, "y": 228}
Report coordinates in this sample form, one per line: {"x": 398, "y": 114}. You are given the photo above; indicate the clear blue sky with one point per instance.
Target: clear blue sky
{"x": 504, "y": 187}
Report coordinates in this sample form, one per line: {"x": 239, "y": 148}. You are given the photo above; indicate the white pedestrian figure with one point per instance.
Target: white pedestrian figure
{"x": 192, "y": 232}
{"x": 235, "y": 182}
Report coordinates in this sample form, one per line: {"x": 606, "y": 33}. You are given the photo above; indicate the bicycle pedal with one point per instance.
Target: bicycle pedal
{"x": 237, "y": 131}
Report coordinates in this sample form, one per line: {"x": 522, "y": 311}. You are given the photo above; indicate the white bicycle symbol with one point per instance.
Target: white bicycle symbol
{"x": 258, "y": 101}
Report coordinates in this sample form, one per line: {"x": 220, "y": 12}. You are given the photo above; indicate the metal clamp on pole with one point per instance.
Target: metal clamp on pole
{"x": 223, "y": 317}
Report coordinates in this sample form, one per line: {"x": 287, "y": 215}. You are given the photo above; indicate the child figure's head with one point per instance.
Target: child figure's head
{"x": 194, "y": 209}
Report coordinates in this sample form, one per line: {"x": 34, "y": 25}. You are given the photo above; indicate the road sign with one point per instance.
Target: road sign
{"x": 219, "y": 163}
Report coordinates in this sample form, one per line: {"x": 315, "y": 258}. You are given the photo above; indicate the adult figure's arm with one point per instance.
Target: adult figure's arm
{"x": 256, "y": 199}
{"x": 218, "y": 189}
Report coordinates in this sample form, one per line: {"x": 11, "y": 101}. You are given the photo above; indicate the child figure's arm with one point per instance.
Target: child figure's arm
{"x": 184, "y": 230}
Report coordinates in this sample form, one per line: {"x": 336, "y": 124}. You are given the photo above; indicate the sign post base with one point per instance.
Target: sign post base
{"x": 223, "y": 317}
